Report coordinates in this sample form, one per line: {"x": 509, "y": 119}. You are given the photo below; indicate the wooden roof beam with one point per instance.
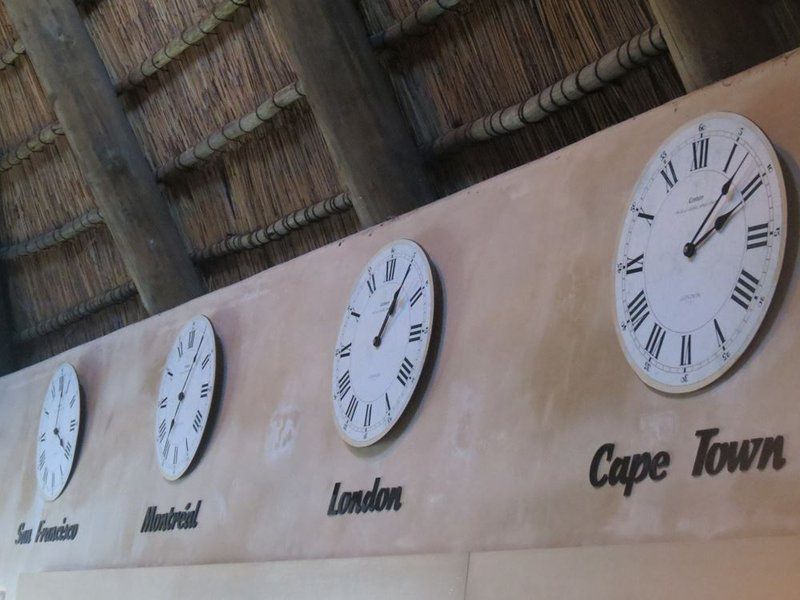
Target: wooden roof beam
{"x": 714, "y": 39}
{"x": 354, "y": 106}
{"x": 119, "y": 177}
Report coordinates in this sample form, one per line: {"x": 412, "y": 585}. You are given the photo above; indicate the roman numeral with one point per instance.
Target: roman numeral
{"x": 175, "y": 456}
{"x": 205, "y": 362}
{"x": 45, "y": 476}
{"x": 730, "y": 158}
{"x": 371, "y": 283}
{"x": 635, "y": 265}
{"x": 351, "y": 408}
{"x": 180, "y": 349}
{"x": 61, "y": 385}
{"x": 416, "y": 296}
{"x": 74, "y": 399}
{"x": 638, "y": 310}
{"x": 355, "y": 314}
{"x": 751, "y": 188}
{"x": 42, "y": 437}
{"x": 405, "y": 371}
{"x": 744, "y": 290}
{"x": 647, "y": 217}
{"x": 720, "y": 337}
{"x": 344, "y": 384}
{"x": 668, "y": 173}
{"x": 68, "y": 450}
{"x": 42, "y": 458}
{"x": 163, "y": 403}
{"x": 190, "y": 342}
{"x": 162, "y": 429}
{"x": 197, "y": 421}
{"x": 368, "y": 415}
{"x": 686, "y": 350}
{"x": 170, "y": 374}
{"x": 73, "y": 424}
{"x": 656, "y": 340}
{"x": 165, "y": 453}
{"x": 344, "y": 351}
{"x": 390, "y": 266}
{"x": 700, "y": 154}
{"x": 416, "y": 333}
{"x": 204, "y": 389}
{"x": 757, "y": 236}
{"x": 388, "y": 406}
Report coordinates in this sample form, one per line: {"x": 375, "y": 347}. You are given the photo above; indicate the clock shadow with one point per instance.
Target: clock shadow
{"x": 791, "y": 176}
{"x": 84, "y": 421}
{"x": 220, "y": 381}
{"x": 412, "y": 410}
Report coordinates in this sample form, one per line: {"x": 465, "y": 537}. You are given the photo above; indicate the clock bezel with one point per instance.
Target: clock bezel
{"x": 78, "y": 432}
{"x": 770, "y": 289}
{"x": 212, "y": 407}
{"x": 422, "y": 371}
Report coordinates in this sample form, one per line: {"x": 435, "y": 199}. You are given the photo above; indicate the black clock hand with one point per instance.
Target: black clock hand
{"x": 181, "y": 395}
{"x": 691, "y": 247}
{"x": 377, "y": 341}
{"x": 720, "y": 221}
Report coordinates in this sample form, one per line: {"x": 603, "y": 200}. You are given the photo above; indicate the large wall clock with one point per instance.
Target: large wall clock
{"x": 59, "y": 425}
{"x": 383, "y": 342}
{"x": 185, "y": 397}
{"x": 700, "y": 252}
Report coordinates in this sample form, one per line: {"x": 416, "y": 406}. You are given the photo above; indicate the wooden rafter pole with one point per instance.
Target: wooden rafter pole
{"x": 354, "y": 106}
{"x": 119, "y": 177}
{"x": 710, "y": 40}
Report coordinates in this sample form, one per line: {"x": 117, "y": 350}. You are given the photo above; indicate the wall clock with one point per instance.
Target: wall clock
{"x": 59, "y": 425}
{"x": 383, "y": 342}
{"x": 185, "y": 397}
{"x": 700, "y": 252}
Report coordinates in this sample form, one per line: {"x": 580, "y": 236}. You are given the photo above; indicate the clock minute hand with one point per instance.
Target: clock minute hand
{"x": 377, "y": 341}
{"x": 185, "y": 381}
{"x": 691, "y": 247}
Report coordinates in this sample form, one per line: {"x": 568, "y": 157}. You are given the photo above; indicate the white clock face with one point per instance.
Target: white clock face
{"x": 700, "y": 253}
{"x": 59, "y": 425}
{"x": 185, "y": 396}
{"x": 383, "y": 342}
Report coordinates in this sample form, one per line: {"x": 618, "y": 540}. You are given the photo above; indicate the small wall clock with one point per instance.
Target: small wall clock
{"x": 59, "y": 425}
{"x": 383, "y": 342}
{"x": 700, "y": 252}
{"x": 185, "y": 397}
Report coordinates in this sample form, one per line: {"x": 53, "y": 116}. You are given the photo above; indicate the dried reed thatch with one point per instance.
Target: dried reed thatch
{"x": 478, "y": 57}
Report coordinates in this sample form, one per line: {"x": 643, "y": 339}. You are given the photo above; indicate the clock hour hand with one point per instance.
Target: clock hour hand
{"x": 691, "y": 247}
{"x": 181, "y": 394}
{"x": 720, "y": 221}
{"x": 377, "y": 341}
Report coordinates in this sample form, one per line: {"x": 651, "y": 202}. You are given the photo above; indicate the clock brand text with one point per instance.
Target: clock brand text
{"x": 711, "y": 458}
{"x": 169, "y": 520}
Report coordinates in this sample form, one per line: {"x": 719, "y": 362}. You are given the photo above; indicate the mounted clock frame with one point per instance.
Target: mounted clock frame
{"x": 185, "y": 397}
{"x": 383, "y": 343}
{"x": 700, "y": 253}
{"x": 59, "y": 429}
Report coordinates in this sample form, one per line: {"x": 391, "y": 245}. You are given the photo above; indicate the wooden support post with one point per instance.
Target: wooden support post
{"x": 122, "y": 183}
{"x": 354, "y": 105}
{"x": 6, "y": 348}
{"x": 710, "y": 40}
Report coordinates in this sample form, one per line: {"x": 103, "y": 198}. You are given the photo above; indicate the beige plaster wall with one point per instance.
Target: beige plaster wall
{"x": 746, "y": 569}
{"x": 528, "y": 382}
